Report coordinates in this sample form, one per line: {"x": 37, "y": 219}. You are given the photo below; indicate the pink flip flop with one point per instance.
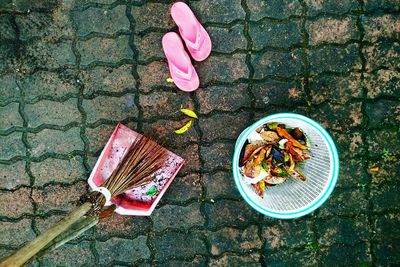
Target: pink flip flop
{"x": 196, "y": 38}
{"x": 180, "y": 66}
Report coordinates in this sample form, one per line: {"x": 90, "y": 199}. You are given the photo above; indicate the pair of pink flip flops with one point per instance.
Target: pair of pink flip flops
{"x": 197, "y": 41}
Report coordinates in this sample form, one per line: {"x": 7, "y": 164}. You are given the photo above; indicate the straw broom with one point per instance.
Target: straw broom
{"x": 143, "y": 159}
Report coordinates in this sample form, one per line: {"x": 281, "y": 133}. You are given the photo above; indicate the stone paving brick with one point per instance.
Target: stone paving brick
{"x": 40, "y": 143}
{"x": 386, "y": 226}
{"x": 98, "y": 137}
{"x": 191, "y": 155}
{"x": 379, "y": 27}
{"x": 13, "y": 175}
{"x": 8, "y": 53}
{"x": 149, "y": 46}
{"x": 234, "y": 68}
{"x": 385, "y": 197}
{"x": 6, "y": 28}
{"x": 56, "y": 197}
{"x": 105, "y": 79}
{"x": 107, "y": 21}
{"x": 18, "y": 203}
{"x": 382, "y": 83}
{"x": 379, "y": 141}
{"x": 10, "y": 117}
{"x": 51, "y": 55}
{"x": 54, "y": 113}
{"x": 110, "y": 108}
{"x": 221, "y": 98}
{"x": 49, "y": 84}
{"x": 118, "y": 249}
{"x": 279, "y": 9}
{"x": 251, "y": 260}
{"x": 49, "y": 26}
{"x": 344, "y": 230}
{"x": 284, "y": 64}
{"x": 227, "y": 40}
{"x": 24, "y": 6}
{"x": 389, "y": 5}
{"x": 9, "y": 90}
{"x": 353, "y": 254}
{"x": 382, "y": 55}
{"x": 339, "y": 117}
{"x": 161, "y": 104}
{"x": 58, "y": 170}
{"x": 197, "y": 261}
{"x": 11, "y": 234}
{"x": 335, "y": 89}
{"x": 221, "y": 11}
{"x": 275, "y": 34}
{"x": 387, "y": 253}
{"x": 229, "y": 213}
{"x": 223, "y": 126}
{"x": 217, "y": 156}
{"x": 296, "y": 233}
{"x": 383, "y": 111}
{"x": 164, "y": 132}
{"x": 345, "y": 202}
{"x": 331, "y": 30}
{"x": 334, "y": 59}
{"x": 388, "y": 171}
{"x": 287, "y": 257}
{"x": 178, "y": 245}
{"x": 234, "y": 240}
{"x": 349, "y": 144}
{"x": 278, "y": 93}
{"x": 152, "y": 15}
{"x": 178, "y": 217}
{"x": 12, "y": 146}
{"x": 220, "y": 185}
{"x": 352, "y": 173}
{"x": 70, "y": 255}
{"x": 184, "y": 188}
{"x": 331, "y": 7}
{"x": 154, "y": 75}
{"x": 105, "y": 50}
{"x": 123, "y": 226}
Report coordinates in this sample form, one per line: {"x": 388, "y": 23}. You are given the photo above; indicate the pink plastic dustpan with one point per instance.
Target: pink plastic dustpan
{"x": 136, "y": 201}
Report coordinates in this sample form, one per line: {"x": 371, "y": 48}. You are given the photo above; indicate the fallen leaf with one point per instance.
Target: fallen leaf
{"x": 184, "y": 128}
{"x": 374, "y": 169}
{"x": 189, "y": 113}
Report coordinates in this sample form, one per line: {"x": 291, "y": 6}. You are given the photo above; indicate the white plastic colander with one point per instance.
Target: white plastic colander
{"x": 293, "y": 199}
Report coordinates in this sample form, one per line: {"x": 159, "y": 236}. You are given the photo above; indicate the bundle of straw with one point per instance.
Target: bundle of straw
{"x": 143, "y": 159}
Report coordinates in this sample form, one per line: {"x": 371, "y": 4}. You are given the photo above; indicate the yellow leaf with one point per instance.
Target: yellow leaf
{"x": 170, "y": 80}
{"x": 374, "y": 169}
{"x": 189, "y": 113}
{"x": 184, "y": 128}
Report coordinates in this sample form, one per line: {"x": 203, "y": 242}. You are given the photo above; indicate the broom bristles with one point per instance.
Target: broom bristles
{"x": 143, "y": 159}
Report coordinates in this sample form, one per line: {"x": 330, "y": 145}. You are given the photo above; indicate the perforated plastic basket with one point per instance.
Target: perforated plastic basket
{"x": 293, "y": 199}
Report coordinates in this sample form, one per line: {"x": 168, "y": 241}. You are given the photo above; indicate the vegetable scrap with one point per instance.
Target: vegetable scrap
{"x": 374, "y": 169}
{"x": 272, "y": 154}
{"x": 184, "y": 128}
{"x": 170, "y": 80}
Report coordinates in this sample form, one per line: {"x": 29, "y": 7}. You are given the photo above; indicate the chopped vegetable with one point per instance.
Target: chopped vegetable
{"x": 276, "y": 157}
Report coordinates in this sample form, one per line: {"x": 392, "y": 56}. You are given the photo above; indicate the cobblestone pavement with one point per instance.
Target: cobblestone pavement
{"x": 69, "y": 71}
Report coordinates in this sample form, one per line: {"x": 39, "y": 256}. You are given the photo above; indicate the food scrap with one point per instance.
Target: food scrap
{"x": 190, "y": 113}
{"x": 272, "y": 154}
{"x": 184, "y": 128}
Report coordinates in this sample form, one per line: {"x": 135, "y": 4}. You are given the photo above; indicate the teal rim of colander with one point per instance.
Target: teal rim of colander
{"x": 332, "y": 181}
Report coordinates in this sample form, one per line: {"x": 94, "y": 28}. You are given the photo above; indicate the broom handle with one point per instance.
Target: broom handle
{"x": 32, "y": 248}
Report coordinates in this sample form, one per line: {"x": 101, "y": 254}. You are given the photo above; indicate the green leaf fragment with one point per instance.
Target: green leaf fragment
{"x": 265, "y": 166}
{"x": 152, "y": 191}
{"x": 272, "y": 125}
{"x": 286, "y": 158}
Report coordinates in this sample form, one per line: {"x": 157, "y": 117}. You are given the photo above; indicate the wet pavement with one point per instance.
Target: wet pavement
{"x": 70, "y": 70}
